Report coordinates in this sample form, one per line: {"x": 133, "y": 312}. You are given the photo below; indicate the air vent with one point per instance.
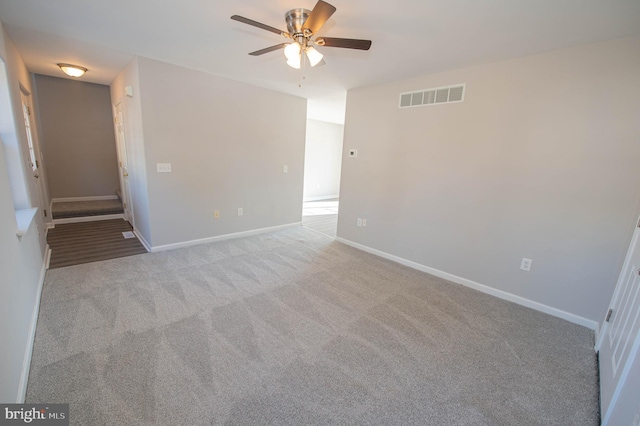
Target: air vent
{"x": 436, "y": 95}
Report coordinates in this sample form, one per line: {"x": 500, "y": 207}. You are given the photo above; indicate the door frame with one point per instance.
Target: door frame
{"x": 123, "y": 161}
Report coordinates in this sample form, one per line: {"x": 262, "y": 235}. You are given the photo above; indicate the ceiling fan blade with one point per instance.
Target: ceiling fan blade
{"x": 348, "y": 43}
{"x": 268, "y": 49}
{"x": 256, "y": 24}
{"x": 321, "y": 12}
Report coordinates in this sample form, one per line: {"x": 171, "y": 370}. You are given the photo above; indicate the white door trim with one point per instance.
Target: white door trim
{"x": 621, "y": 304}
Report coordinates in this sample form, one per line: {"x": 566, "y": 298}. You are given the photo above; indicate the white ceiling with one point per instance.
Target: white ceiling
{"x": 410, "y": 37}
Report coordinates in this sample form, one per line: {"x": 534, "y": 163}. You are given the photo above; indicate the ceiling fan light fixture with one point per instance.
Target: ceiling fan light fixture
{"x": 314, "y": 56}
{"x": 302, "y": 26}
{"x": 292, "y": 51}
{"x": 73, "y": 70}
{"x": 294, "y": 62}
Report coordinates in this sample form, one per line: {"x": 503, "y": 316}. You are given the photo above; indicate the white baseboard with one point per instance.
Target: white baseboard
{"x": 87, "y": 218}
{"x": 94, "y": 198}
{"x": 320, "y": 198}
{"x": 576, "y": 319}
{"x": 26, "y": 362}
{"x": 47, "y": 257}
{"x": 142, "y": 240}
{"x": 223, "y": 237}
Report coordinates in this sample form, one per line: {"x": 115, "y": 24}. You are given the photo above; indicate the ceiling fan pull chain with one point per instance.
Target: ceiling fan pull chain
{"x": 301, "y": 73}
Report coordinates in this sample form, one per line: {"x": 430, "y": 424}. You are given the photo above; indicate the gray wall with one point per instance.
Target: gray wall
{"x": 539, "y": 161}
{"x": 227, "y": 143}
{"x": 21, "y": 262}
{"x": 77, "y": 139}
{"x": 322, "y": 159}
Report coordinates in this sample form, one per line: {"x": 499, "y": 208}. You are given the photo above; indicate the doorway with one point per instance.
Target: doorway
{"x": 123, "y": 163}
{"x": 323, "y": 163}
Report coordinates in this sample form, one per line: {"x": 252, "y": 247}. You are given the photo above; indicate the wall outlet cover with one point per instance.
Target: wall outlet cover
{"x": 163, "y": 167}
{"x": 525, "y": 265}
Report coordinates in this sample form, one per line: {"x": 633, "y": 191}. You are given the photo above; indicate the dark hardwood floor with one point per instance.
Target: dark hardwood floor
{"x": 84, "y": 242}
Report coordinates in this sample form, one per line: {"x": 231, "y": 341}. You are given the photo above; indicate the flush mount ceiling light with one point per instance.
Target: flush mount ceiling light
{"x": 72, "y": 70}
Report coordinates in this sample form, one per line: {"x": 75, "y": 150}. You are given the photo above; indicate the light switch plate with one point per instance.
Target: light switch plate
{"x": 163, "y": 167}
{"x": 525, "y": 265}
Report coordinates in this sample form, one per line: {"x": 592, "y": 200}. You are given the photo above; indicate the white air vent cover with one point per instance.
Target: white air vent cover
{"x": 436, "y": 95}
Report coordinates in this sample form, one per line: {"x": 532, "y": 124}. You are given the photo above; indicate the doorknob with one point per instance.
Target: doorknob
{"x": 125, "y": 174}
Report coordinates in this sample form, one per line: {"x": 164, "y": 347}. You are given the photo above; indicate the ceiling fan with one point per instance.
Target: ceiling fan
{"x": 303, "y": 26}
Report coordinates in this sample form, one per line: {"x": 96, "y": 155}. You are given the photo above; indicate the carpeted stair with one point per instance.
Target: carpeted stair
{"x": 70, "y": 209}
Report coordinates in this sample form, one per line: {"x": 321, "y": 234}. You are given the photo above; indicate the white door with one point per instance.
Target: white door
{"x": 121, "y": 147}
{"x": 34, "y": 152}
{"x": 620, "y": 338}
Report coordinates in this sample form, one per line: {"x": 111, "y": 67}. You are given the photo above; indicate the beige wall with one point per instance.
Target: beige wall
{"x": 322, "y": 159}
{"x": 78, "y": 138}
{"x": 227, "y": 143}
{"x": 539, "y": 161}
{"x": 21, "y": 262}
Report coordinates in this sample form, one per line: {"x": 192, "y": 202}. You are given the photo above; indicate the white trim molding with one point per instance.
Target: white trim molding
{"x": 93, "y": 198}
{"x": 222, "y": 237}
{"x": 47, "y": 257}
{"x": 26, "y": 362}
{"x": 87, "y": 218}
{"x": 142, "y": 240}
{"x": 576, "y": 319}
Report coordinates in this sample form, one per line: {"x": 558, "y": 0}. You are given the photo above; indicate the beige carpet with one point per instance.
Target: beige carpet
{"x": 68, "y": 209}
{"x": 293, "y": 328}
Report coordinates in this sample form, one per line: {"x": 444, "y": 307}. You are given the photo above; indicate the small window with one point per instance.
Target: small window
{"x": 33, "y": 162}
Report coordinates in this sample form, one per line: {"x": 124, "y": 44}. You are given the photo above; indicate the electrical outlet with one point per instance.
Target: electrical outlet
{"x": 163, "y": 167}
{"x": 285, "y": 169}
{"x": 216, "y": 214}
{"x": 359, "y": 222}
{"x": 364, "y": 223}
{"x": 240, "y": 212}
{"x": 525, "y": 265}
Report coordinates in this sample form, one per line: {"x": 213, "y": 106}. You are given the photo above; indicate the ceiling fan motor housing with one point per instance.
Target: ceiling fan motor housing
{"x": 295, "y": 19}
